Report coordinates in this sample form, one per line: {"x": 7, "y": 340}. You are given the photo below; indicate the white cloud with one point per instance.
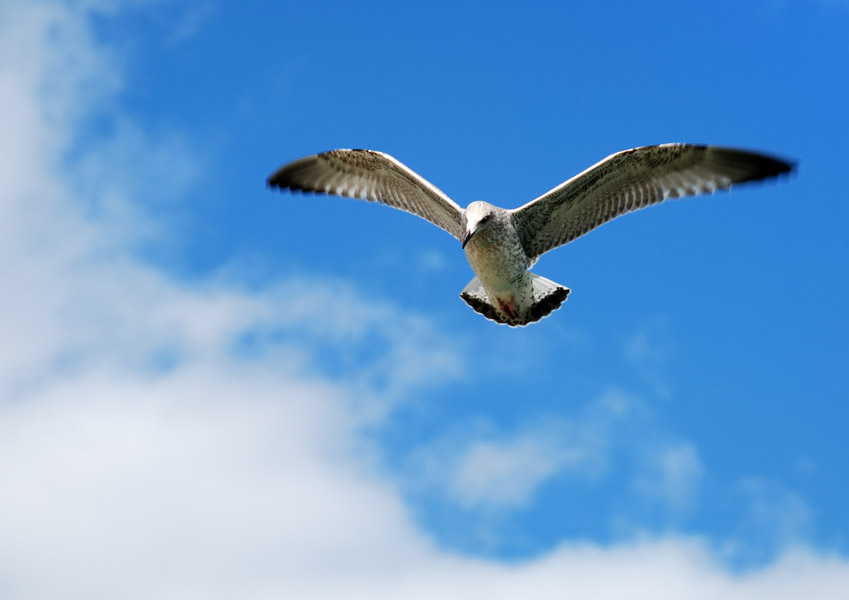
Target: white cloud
{"x": 212, "y": 471}
{"x": 190, "y": 21}
{"x": 160, "y": 439}
{"x": 503, "y": 474}
{"x": 650, "y": 351}
{"x": 672, "y": 473}
{"x": 431, "y": 260}
{"x": 507, "y": 473}
{"x": 773, "y": 511}
{"x": 478, "y": 468}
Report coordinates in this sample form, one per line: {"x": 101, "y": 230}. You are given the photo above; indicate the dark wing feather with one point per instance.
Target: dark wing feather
{"x": 372, "y": 176}
{"x": 630, "y": 180}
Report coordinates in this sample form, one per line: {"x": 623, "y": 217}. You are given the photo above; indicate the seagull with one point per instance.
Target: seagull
{"x": 501, "y": 245}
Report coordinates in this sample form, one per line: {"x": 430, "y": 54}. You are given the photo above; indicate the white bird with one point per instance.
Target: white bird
{"x": 500, "y": 244}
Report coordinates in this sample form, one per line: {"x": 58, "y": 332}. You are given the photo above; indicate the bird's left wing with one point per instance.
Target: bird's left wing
{"x": 630, "y": 180}
{"x": 372, "y": 176}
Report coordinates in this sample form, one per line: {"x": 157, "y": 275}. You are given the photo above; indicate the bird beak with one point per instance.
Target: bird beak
{"x": 467, "y": 238}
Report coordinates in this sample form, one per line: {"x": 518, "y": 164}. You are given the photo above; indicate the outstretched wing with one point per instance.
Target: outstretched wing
{"x": 630, "y": 180}
{"x": 372, "y": 176}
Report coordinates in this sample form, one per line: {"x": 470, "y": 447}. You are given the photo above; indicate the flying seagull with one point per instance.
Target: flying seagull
{"x": 500, "y": 244}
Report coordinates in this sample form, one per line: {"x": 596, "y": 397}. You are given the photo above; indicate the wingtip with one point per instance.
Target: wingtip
{"x": 752, "y": 166}
{"x": 273, "y": 180}
{"x": 783, "y": 166}
{"x": 791, "y": 167}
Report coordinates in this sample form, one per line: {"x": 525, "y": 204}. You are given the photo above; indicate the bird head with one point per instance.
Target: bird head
{"x": 477, "y": 216}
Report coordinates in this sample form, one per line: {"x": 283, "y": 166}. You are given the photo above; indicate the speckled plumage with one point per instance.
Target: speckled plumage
{"x": 501, "y": 245}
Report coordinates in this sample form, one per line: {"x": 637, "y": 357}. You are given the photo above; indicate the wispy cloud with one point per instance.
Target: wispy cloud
{"x": 190, "y": 21}
{"x": 506, "y": 471}
{"x": 479, "y": 466}
{"x": 772, "y": 516}
{"x": 650, "y": 351}
{"x": 672, "y": 474}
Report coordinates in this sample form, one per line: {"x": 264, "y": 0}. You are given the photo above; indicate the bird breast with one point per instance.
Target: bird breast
{"x": 496, "y": 255}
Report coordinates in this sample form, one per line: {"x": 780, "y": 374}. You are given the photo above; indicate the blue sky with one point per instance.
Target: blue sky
{"x": 209, "y": 389}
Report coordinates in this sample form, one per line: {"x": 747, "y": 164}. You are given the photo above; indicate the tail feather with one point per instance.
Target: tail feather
{"x": 547, "y": 297}
{"x": 475, "y": 296}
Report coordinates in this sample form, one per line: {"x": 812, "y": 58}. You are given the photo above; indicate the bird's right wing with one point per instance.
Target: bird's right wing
{"x": 630, "y": 180}
{"x": 372, "y": 176}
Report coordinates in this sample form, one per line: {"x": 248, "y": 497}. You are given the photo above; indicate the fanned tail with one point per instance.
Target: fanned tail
{"x": 547, "y": 297}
